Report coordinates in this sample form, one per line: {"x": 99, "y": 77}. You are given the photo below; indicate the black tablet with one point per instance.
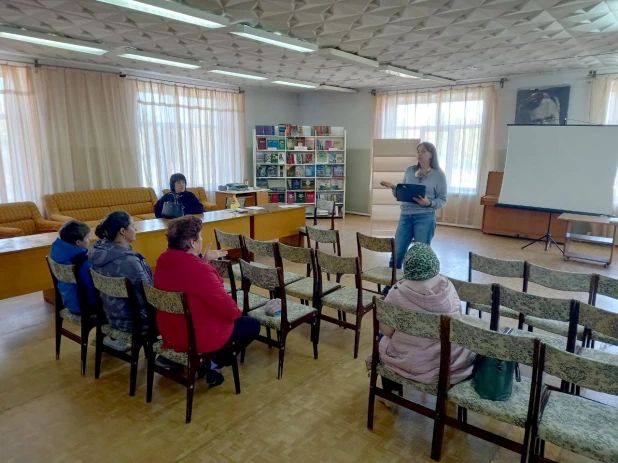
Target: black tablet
{"x": 406, "y": 192}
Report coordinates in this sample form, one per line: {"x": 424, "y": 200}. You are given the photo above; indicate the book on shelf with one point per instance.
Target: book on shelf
{"x": 328, "y": 171}
{"x": 259, "y": 130}
{"x": 262, "y": 171}
{"x": 328, "y": 144}
{"x": 291, "y": 197}
{"x": 261, "y": 183}
{"x": 281, "y": 197}
{"x": 301, "y": 197}
{"x": 295, "y": 184}
{"x": 291, "y": 159}
{"x": 339, "y": 198}
{"x": 310, "y": 171}
{"x": 310, "y": 197}
{"x": 273, "y": 171}
{"x": 281, "y": 158}
{"x": 300, "y": 171}
{"x": 261, "y": 143}
{"x": 336, "y": 184}
{"x": 337, "y": 131}
{"x": 310, "y": 143}
{"x": 281, "y": 145}
{"x": 338, "y": 171}
{"x": 332, "y": 158}
{"x": 319, "y": 170}
{"x": 273, "y": 198}
{"x": 299, "y": 158}
{"x": 278, "y": 189}
{"x": 337, "y": 144}
{"x": 306, "y": 130}
{"x": 322, "y": 157}
{"x": 300, "y": 142}
{"x": 322, "y": 185}
{"x": 282, "y": 130}
{"x": 308, "y": 184}
{"x": 272, "y": 144}
{"x": 259, "y": 157}
{"x": 274, "y": 158}
{"x": 308, "y": 158}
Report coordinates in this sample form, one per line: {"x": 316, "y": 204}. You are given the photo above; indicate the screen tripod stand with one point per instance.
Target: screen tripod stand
{"x": 547, "y": 238}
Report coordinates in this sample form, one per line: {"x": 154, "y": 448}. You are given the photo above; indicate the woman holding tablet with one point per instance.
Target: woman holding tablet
{"x": 418, "y": 218}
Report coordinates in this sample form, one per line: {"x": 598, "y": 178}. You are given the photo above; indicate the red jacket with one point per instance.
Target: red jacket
{"x": 212, "y": 309}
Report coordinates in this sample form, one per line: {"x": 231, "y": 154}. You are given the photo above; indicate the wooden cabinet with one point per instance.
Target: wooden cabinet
{"x": 518, "y": 223}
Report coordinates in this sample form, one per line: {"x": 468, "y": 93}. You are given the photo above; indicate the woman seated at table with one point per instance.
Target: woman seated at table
{"x": 423, "y": 290}
{"x": 216, "y": 317}
{"x": 179, "y": 193}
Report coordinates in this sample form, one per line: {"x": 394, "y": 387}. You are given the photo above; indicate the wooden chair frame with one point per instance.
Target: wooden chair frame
{"x": 360, "y": 258}
{"x": 302, "y": 235}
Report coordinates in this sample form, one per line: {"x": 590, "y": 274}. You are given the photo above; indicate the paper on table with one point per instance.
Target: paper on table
{"x": 288, "y": 206}
{"x": 255, "y": 208}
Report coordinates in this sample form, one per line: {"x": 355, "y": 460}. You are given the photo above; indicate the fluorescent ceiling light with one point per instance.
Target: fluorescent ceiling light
{"x": 338, "y": 55}
{"x": 333, "y": 88}
{"x": 273, "y": 39}
{"x": 400, "y": 72}
{"x": 50, "y": 40}
{"x": 172, "y": 10}
{"x": 296, "y": 83}
{"x": 238, "y": 73}
{"x": 160, "y": 59}
{"x": 440, "y": 79}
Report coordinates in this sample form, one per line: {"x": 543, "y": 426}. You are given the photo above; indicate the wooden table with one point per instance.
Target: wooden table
{"x": 23, "y": 269}
{"x": 252, "y": 197}
{"x": 589, "y": 219}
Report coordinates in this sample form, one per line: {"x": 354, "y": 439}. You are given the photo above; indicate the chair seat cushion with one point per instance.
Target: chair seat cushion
{"x": 171, "y": 354}
{"x": 345, "y": 299}
{"x": 559, "y": 342}
{"x": 581, "y": 425}
{"x": 504, "y": 311}
{"x": 604, "y": 338}
{"x": 255, "y": 300}
{"x": 291, "y": 277}
{"x": 303, "y": 289}
{"x": 426, "y": 388}
{"x": 117, "y": 334}
{"x": 553, "y": 326}
{"x": 513, "y": 411}
{"x": 65, "y": 314}
{"x": 381, "y": 275}
{"x": 295, "y": 312}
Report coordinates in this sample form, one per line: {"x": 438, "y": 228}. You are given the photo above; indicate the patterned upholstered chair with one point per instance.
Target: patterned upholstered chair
{"x": 608, "y": 287}
{"x": 176, "y": 303}
{"x": 571, "y": 422}
{"x": 319, "y": 235}
{"x": 561, "y": 281}
{"x": 599, "y": 324}
{"x": 306, "y": 289}
{"x": 322, "y": 205}
{"x": 355, "y": 301}
{"x": 121, "y": 288}
{"x": 24, "y": 218}
{"x": 379, "y": 275}
{"x": 232, "y": 242}
{"x": 86, "y": 321}
{"x": 292, "y": 314}
{"x": 424, "y": 325}
{"x": 497, "y": 268}
{"x": 485, "y": 294}
{"x": 200, "y": 192}
{"x": 268, "y": 249}
{"x": 516, "y": 411}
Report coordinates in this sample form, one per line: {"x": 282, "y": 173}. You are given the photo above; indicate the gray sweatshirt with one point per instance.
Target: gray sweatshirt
{"x": 436, "y": 191}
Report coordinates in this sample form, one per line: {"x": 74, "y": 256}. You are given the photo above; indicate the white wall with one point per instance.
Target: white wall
{"x": 266, "y": 107}
{"x": 353, "y": 112}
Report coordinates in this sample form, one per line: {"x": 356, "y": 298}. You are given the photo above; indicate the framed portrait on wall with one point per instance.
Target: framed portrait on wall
{"x": 545, "y": 106}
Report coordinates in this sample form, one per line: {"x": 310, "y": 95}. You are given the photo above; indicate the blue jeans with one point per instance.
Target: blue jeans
{"x": 420, "y": 227}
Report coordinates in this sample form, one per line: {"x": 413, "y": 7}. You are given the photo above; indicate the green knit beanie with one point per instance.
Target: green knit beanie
{"x": 420, "y": 263}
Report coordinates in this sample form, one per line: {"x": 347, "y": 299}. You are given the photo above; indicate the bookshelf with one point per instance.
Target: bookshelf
{"x": 300, "y": 164}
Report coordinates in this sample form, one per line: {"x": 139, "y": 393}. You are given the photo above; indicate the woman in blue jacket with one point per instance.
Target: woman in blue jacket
{"x": 189, "y": 202}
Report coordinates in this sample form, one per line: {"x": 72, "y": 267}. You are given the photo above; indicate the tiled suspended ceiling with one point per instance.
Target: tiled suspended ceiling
{"x": 456, "y": 39}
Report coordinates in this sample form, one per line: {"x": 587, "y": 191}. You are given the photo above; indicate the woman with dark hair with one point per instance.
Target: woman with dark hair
{"x": 418, "y": 218}
{"x": 189, "y": 202}
{"x": 113, "y": 256}
{"x": 216, "y": 317}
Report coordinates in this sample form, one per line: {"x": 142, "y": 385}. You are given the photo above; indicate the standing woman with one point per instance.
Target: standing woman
{"x": 418, "y": 218}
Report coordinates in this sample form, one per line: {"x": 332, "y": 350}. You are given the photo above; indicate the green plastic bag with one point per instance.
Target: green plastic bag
{"x": 493, "y": 378}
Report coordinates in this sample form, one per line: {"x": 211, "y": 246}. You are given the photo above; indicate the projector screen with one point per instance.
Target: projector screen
{"x": 561, "y": 168}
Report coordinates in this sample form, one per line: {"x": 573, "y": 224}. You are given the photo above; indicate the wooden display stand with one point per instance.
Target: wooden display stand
{"x": 252, "y": 197}
{"x": 589, "y": 219}
{"x": 518, "y": 223}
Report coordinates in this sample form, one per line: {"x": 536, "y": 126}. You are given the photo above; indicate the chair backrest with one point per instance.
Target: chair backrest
{"x": 480, "y": 293}
{"x": 62, "y": 272}
{"x": 229, "y": 240}
{"x": 224, "y": 269}
{"x": 599, "y": 320}
{"x": 606, "y": 286}
{"x": 584, "y": 372}
{"x": 319, "y": 235}
{"x": 337, "y": 265}
{"x": 424, "y": 325}
{"x": 493, "y": 344}
{"x": 111, "y": 286}
{"x": 270, "y": 279}
{"x": 68, "y": 274}
{"x": 296, "y": 254}
{"x": 324, "y": 205}
{"x": 536, "y": 306}
{"x": 562, "y": 281}
{"x": 495, "y": 267}
{"x": 261, "y": 248}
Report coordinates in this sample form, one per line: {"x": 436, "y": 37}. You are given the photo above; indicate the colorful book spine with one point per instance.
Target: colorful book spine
{"x": 290, "y": 158}
{"x": 291, "y": 197}
{"x": 310, "y": 196}
{"x": 328, "y": 171}
{"x": 274, "y": 158}
{"x": 300, "y": 197}
{"x": 310, "y": 171}
{"x": 296, "y": 184}
{"x": 282, "y": 145}
{"x": 272, "y": 144}
{"x": 308, "y": 158}
{"x": 337, "y": 171}
{"x": 261, "y": 143}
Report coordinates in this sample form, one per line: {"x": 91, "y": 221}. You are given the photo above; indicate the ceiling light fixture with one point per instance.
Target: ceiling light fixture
{"x": 273, "y": 38}
{"x": 296, "y": 83}
{"x": 139, "y": 55}
{"x": 400, "y": 72}
{"x": 172, "y": 10}
{"x": 338, "y": 55}
{"x": 238, "y": 73}
{"x": 334, "y": 88}
{"x": 51, "y": 40}
{"x": 440, "y": 79}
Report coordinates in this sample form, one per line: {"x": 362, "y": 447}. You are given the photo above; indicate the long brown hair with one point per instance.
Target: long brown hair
{"x": 433, "y": 162}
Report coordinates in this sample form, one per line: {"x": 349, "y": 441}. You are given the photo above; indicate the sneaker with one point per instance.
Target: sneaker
{"x": 167, "y": 363}
{"x": 214, "y": 378}
{"x": 116, "y": 344}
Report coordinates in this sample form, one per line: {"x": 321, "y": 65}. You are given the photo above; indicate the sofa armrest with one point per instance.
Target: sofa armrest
{"x": 47, "y": 226}
{"x": 9, "y": 232}
{"x": 60, "y": 218}
{"x": 209, "y": 206}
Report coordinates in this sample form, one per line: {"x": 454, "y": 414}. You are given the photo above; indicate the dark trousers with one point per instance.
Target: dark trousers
{"x": 246, "y": 329}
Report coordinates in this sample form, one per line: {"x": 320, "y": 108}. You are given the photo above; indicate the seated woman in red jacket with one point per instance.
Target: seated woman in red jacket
{"x": 216, "y": 317}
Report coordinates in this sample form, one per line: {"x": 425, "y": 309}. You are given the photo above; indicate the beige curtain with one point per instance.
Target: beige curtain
{"x": 20, "y": 147}
{"x": 88, "y": 129}
{"x": 604, "y": 110}
{"x": 461, "y": 123}
{"x": 196, "y": 131}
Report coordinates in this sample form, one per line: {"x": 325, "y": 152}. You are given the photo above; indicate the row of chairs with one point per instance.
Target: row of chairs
{"x": 545, "y": 412}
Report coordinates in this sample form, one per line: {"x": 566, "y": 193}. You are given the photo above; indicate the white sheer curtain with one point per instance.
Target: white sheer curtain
{"x": 604, "y": 110}
{"x": 461, "y": 123}
{"x": 20, "y": 147}
{"x": 88, "y": 129}
{"x": 196, "y": 131}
